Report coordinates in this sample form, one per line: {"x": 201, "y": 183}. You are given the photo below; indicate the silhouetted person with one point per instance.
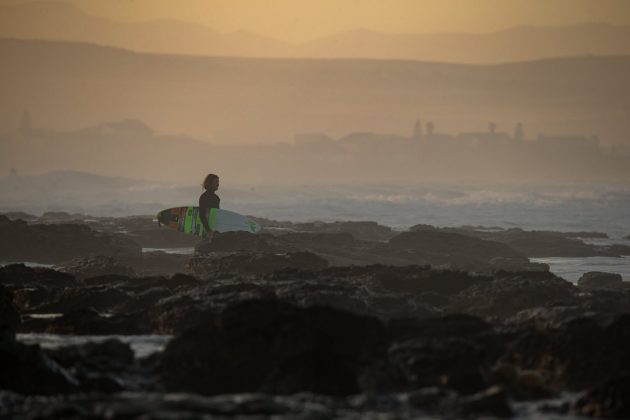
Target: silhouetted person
{"x": 208, "y": 200}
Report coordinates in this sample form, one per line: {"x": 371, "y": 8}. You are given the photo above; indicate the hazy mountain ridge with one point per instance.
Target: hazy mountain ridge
{"x": 241, "y": 100}
{"x": 65, "y": 22}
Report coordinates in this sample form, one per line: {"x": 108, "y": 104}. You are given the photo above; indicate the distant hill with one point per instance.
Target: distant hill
{"x": 60, "y": 21}
{"x": 244, "y": 100}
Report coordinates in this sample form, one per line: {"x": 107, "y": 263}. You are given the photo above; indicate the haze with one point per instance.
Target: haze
{"x": 305, "y": 92}
{"x": 301, "y": 20}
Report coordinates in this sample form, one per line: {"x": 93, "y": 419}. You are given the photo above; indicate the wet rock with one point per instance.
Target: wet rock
{"x": 422, "y": 279}
{"x": 510, "y": 293}
{"x": 491, "y": 402}
{"x": 450, "y": 362}
{"x": 158, "y": 263}
{"x": 93, "y": 266}
{"x": 247, "y": 263}
{"x": 85, "y": 322}
{"x": 56, "y": 243}
{"x": 575, "y": 356}
{"x": 610, "y": 399}
{"x": 25, "y": 369}
{"x": 99, "y": 298}
{"x": 99, "y": 367}
{"x": 523, "y": 384}
{"x": 19, "y": 275}
{"x": 439, "y": 247}
{"x": 540, "y": 244}
{"x": 369, "y": 231}
{"x": 596, "y": 280}
{"x": 9, "y": 314}
{"x": 240, "y": 241}
{"x": 271, "y": 346}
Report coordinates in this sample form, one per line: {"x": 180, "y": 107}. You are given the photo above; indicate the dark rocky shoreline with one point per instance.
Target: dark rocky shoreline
{"x": 343, "y": 320}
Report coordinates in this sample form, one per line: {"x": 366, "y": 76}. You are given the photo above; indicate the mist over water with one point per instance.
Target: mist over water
{"x": 551, "y": 207}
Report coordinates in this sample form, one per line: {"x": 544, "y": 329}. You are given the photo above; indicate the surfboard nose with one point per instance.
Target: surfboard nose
{"x": 166, "y": 216}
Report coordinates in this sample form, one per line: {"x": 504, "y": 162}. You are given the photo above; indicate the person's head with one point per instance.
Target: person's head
{"x": 211, "y": 182}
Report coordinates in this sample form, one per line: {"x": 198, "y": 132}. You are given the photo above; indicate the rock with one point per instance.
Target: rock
{"x": 451, "y": 362}
{"x": 93, "y": 266}
{"x": 99, "y": 298}
{"x": 491, "y": 402}
{"x": 456, "y": 250}
{"x": 510, "y": 293}
{"x": 368, "y": 231}
{"x": 247, "y": 263}
{"x": 18, "y": 276}
{"x": 55, "y": 243}
{"x": 540, "y": 244}
{"x": 25, "y": 369}
{"x": 85, "y": 322}
{"x": 422, "y": 279}
{"x": 271, "y": 346}
{"x": 597, "y": 280}
{"x": 9, "y": 314}
{"x": 240, "y": 241}
{"x": 610, "y": 399}
{"x": 575, "y": 356}
{"x": 99, "y": 367}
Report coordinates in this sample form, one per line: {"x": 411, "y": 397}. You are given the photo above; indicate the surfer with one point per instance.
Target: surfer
{"x": 208, "y": 200}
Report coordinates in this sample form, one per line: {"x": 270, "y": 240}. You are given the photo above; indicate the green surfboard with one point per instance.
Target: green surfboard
{"x": 187, "y": 219}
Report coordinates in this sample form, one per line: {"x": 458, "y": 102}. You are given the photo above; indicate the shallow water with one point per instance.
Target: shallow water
{"x": 177, "y": 251}
{"x": 142, "y": 345}
{"x": 572, "y": 269}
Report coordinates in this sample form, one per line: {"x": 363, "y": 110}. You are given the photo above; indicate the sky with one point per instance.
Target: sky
{"x": 301, "y": 20}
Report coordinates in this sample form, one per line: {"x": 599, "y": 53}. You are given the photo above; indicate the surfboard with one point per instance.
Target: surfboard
{"x": 188, "y": 220}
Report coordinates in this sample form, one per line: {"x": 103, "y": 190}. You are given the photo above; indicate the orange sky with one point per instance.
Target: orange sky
{"x": 300, "y": 20}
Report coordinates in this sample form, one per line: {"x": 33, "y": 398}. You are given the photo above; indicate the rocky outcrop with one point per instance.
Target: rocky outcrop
{"x": 27, "y": 370}
{"x": 538, "y": 244}
{"x": 252, "y": 264}
{"x": 93, "y": 266}
{"x": 596, "y": 280}
{"x": 610, "y": 399}
{"x": 44, "y": 243}
{"x": 457, "y": 251}
{"x": 271, "y": 346}
{"x": 510, "y": 293}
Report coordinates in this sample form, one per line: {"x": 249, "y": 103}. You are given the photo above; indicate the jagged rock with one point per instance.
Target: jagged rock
{"x": 248, "y": 263}
{"x": 93, "y": 266}
{"x": 25, "y": 369}
{"x": 455, "y": 250}
{"x": 85, "y": 322}
{"x": 271, "y": 346}
{"x": 540, "y": 244}
{"x": 610, "y": 399}
{"x": 422, "y": 279}
{"x": 492, "y": 402}
{"x": 240, "y": 241}
{"x": 18, "y": 276}
{"x": 510, "y": 293}
{"x": 575, "y": 356}
{"x": 55, "y": 243}
{"x": 99, "y": 298}
{"x": 596, "y": 280}
{"x": 369, "y": 231}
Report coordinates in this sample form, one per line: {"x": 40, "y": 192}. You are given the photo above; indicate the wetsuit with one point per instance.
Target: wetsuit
{"x": 208, "y": 200}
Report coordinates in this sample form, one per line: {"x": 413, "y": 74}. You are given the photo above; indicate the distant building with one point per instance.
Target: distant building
{"x": 490, "y": 137}
{"x": 568, "y": 142}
